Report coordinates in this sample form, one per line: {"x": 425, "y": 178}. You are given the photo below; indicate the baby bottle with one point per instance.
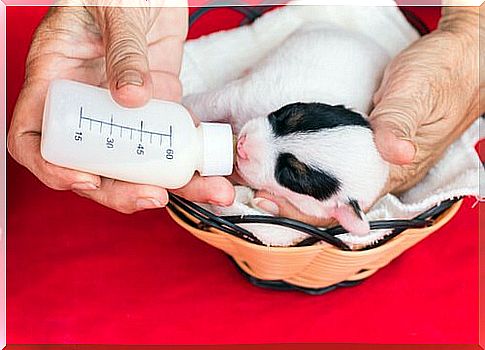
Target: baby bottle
{"x": 157, "y": 144}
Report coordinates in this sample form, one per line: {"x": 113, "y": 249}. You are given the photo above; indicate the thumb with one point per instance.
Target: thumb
{"x": 395, "y": 121}
{"x": 124, "y": 35}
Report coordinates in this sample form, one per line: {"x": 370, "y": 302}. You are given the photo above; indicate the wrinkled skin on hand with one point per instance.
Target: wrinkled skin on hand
{"x": 428, "y": 97}
{"x": 136, "y": 53}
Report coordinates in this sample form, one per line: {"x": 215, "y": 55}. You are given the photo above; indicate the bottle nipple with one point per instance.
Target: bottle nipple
{"x": 217, "y": 150}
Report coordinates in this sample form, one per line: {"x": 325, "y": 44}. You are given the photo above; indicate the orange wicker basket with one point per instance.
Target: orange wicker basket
{"x": 313, "y": 268}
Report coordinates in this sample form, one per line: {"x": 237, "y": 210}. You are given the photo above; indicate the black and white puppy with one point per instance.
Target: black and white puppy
{"x": 300, "y": 119}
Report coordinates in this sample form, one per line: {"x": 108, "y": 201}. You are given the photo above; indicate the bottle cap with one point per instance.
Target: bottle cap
{"x": 217, "y": 150}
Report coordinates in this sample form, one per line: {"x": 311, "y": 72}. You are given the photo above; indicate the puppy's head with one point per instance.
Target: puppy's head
{"x": 307, "y": 152}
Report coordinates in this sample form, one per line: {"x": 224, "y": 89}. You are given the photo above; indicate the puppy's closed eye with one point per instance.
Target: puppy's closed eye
{"x": 301, "y": 178}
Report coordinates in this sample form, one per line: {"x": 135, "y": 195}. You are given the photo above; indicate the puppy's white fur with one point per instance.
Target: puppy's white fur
{"x": 316, "y": 63}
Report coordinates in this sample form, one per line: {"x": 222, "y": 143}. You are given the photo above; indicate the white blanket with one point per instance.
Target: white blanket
{"x": 211, "y": 61}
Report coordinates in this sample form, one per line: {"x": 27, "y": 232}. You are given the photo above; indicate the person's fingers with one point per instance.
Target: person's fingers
{"x": 166, "y": 86}
{"x": 23, "y": 142}
{"x": 214, "y": 190}
{"x": 25, "y": 147}
{"x": 124, "y": 33}
{"x": 281, "y": 207}
{"x": 395, "y": 121}
{"x": 127, "y": 197}
{"x": 166, "y": 39}
{"x": 166, "y": 42}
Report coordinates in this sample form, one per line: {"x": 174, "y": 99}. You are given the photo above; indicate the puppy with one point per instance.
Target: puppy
{"x": 300, "y": 116}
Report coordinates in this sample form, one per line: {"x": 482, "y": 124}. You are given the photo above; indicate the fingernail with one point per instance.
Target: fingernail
{"x": 148, "y": 203}
{"x": 266, "y": 205}
{"x": 84, "y": 186}
{"x": 129, "y": 77}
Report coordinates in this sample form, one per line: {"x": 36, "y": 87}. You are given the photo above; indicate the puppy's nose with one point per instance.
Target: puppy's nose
{"x": 240, "y": 148}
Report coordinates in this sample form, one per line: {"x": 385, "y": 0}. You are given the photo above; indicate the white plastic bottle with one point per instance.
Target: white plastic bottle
{"x": 158, "y": 144}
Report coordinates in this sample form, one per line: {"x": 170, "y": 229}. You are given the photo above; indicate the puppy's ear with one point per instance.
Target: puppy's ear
{"x": 303, "y": 179}
{"x": 352, "y": 217}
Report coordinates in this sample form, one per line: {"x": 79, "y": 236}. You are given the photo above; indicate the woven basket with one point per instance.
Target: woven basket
{"x": 314, "y": 268}
{"x": 309, "y": 267}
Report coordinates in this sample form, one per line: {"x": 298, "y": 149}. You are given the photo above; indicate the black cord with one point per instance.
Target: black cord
{"x": 430, "y": 214}
{"x": 321, "y": 235}
{"x": 285, "y": 286}
{"x": 250, "y": 13}
{"x": 229, "y": 224}
{"x": 422, "y": 220}
{"x": 210, "y": 219}
{"x": 415, "y": 21}
{"x": 385, "y": 225}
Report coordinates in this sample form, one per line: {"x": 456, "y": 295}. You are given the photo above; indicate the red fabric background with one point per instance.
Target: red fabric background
{"x": 81, "y": 273}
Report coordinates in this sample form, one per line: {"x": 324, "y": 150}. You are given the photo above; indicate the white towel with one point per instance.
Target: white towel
{"x": 211, "y": 61}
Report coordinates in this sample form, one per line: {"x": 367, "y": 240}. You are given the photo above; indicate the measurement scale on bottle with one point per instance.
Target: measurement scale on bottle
{"x": 117, "y": 130}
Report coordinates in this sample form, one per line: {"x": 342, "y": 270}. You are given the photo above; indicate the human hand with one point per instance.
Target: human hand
{"x": 427, "y": 99}
{"x": 136, "y": 53}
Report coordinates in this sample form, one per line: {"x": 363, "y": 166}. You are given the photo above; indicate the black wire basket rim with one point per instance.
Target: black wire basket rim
{"x": 210, "y": 229}
{"x": 263, "y": 247}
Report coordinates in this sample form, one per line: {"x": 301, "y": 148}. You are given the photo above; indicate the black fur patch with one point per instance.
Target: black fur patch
{"x": 300, "y": 178}
{"x": 308, "y": 117}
